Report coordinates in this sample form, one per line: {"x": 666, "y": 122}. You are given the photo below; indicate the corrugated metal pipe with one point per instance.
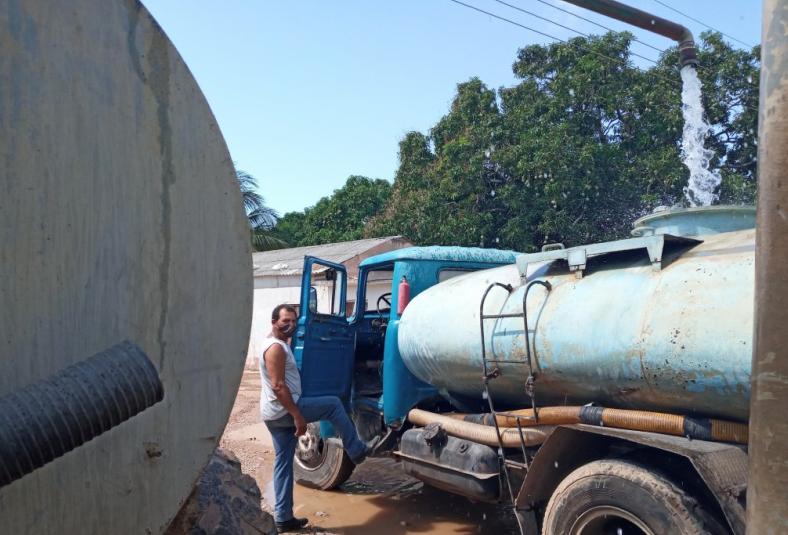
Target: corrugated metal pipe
{"x": 648, "y": 22}
{"x": 654, "y": 422}
{"x": 481, "y": 434}
{"x": 47, "y": 419}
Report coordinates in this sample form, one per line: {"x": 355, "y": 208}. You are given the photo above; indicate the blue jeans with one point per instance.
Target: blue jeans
{"x": 313, "y": 409}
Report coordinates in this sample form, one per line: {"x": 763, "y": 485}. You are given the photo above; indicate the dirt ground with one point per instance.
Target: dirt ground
{"x": 377, "y": 499}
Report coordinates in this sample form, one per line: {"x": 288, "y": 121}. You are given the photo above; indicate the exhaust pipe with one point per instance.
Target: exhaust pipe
{"x": 646, "y": 21}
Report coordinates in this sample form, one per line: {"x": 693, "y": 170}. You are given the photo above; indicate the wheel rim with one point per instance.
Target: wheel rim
{"x": 310, "y": 449}
{"x": 609, "y": 520}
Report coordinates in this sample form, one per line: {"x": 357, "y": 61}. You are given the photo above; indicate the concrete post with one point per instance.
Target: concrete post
{"x": 768, "y": 475}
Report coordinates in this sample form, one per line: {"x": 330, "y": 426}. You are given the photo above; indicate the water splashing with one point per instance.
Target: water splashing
{"x": 703, "y": 183}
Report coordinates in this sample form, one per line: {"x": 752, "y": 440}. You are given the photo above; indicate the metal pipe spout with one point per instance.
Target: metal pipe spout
{"x": 642, "y": 19}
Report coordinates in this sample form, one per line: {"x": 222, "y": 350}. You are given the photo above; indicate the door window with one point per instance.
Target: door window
{"x": 323, "y": 342}
{"x": 326, "y": 292}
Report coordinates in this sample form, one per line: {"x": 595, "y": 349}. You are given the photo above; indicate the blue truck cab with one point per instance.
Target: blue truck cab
{"x": 355, "y": 355}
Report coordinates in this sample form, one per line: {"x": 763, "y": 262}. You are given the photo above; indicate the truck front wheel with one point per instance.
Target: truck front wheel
{"x": 615, "y": 496}
{"x": 320, "y": 464}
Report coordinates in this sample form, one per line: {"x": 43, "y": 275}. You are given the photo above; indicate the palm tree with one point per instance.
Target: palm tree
{"x": 262, "y": 219}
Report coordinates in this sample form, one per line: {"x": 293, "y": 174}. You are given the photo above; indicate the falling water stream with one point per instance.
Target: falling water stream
{"x": 703, "y": 183}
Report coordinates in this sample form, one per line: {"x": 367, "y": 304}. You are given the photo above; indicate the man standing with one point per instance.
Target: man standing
{"x": 286, "y": 413}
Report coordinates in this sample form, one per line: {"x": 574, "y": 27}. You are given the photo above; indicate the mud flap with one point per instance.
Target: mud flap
{"x": 526, "y": 520}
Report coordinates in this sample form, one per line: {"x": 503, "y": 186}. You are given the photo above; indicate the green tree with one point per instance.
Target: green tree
{"x": 406, "y": 210}
{"x": 444, "y": 188}
{"x": 579, "y": 148}
{"x": 342, "y": 216}
{"x": 291, "y": 228}
{"x": 730, "y": 96}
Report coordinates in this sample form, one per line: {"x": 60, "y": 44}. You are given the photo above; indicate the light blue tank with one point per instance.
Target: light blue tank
{"x": 661, "y": 321}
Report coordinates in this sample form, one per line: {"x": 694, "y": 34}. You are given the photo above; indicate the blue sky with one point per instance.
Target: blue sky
{"x": 310, "y": 92}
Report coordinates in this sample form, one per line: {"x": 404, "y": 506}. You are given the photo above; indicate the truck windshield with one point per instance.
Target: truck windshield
{"x": 378, "y": 284}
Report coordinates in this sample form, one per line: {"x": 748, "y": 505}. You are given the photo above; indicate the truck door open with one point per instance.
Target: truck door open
{"x": 323, "y": 342}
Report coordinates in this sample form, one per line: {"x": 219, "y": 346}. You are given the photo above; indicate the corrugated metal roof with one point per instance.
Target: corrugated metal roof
{"x": 291, "y": 261}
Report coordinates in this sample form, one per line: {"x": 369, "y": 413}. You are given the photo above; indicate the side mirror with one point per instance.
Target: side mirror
{"x": 312, "y": 300}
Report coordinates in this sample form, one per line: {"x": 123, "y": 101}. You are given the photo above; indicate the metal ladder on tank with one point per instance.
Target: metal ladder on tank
{"x": 491, "y": 371}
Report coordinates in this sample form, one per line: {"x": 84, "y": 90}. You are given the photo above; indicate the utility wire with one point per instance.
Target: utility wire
{"x": 608, "y": 28}
{"x": 510, "y": 21}
{"x": 565, "y": 27}
{"x": 619, "y": 61}
{"x": 596, "y": 24}
{"x": 700, "y": 67}
{"x": 675, "y": 83}
{"x": 702, "y": 23}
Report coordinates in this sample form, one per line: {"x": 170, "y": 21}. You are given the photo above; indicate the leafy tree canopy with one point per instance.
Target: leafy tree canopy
{"x": 342, "y": 216}
{"x": 579, "y": 148}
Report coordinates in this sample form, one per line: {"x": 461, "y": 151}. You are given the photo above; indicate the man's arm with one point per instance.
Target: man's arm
{"x": 275, "y": 359}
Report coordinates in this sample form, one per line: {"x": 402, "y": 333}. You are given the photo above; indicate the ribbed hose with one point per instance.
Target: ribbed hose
{"x": 547, "y": 416}
{"x": 654, "y": 422}
{"x": 45, "y": 420}
{"x": 482, "y": 434}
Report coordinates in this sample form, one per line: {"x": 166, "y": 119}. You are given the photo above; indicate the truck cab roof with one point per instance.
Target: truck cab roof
{"x": 444, "y": 254}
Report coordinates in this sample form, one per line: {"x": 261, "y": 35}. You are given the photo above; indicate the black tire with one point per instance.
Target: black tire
{"x": 320, "y": 464}
{"x": 614, "y": 496}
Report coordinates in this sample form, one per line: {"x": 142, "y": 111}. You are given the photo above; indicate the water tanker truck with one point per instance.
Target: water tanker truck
{"x": 594, "y": 388}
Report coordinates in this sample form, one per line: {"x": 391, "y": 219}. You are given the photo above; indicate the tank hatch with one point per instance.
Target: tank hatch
{"x": 701, "y": 221}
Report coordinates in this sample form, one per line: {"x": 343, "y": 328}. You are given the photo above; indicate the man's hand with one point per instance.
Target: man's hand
{"x": 300, "y": 425}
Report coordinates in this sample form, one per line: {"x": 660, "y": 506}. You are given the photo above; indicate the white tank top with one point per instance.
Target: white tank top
{"x": 270, "y": 408}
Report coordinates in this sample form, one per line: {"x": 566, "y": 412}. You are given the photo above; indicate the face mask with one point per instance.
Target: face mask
{"x": 289, "y": 330}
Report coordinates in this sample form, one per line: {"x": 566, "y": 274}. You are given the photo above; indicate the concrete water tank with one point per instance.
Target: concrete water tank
{"x": 120, "y": 219}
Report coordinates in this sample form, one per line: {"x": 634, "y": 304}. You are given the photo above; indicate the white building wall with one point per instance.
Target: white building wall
{"x": 265, "y": 299}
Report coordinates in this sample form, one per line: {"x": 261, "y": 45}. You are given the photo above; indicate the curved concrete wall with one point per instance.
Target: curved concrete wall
{"x": 120, "y": 218}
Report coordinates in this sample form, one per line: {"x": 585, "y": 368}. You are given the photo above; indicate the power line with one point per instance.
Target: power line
{"x": 661, "y": 51}
{"x": 675, "y": 83}
{"x": 596, "y": 24}
{"x": 565, "y": 27}
{"x": 702, "y": 23}
{"x": 511, "y": 22}
{"x": 553, "y": 37}
{"x": 699, "y": 67}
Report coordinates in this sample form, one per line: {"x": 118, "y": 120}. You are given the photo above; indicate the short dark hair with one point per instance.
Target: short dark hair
{"x": 279, "y": 308}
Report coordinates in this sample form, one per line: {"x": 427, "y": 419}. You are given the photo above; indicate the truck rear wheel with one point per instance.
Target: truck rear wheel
{"x": 614, "y": 496}
{"x": 320, "y": 464}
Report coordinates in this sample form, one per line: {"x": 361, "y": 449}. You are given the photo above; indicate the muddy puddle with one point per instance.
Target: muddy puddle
{"x": 378, "y": 499}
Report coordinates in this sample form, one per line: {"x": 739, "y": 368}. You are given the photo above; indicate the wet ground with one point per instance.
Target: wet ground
{"x": 378, "y": 498}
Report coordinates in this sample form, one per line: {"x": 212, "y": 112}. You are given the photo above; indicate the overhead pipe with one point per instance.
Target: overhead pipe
{"x": 646, "y": 21}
